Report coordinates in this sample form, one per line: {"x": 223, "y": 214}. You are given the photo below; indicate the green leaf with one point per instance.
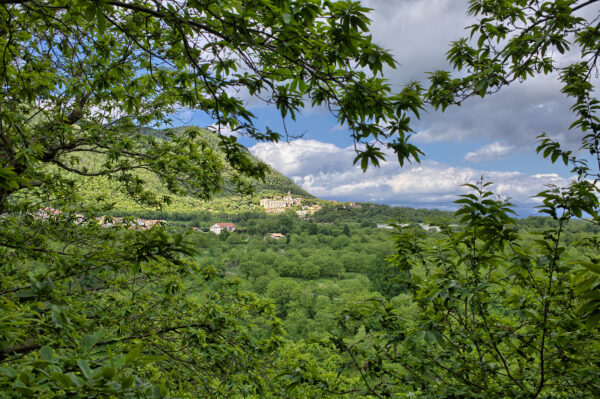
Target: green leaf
{"x": 23, "y": 389}
{"x": 29, "y": 293}
{"x": 593, "y": 320}
{"x": 85, "y": 369}
{"x": 90, "y": 13}
{"x": 62, "y": 379}
{"x": 127, "y": 381}
{"x": 88, "y": 341}
{"x": 156, "y": 394}
{"x": 593, "y": 267}
{"x": 108, "y": 372}
{"x": 46, "y": 353}
{"x": 8, "y": 372}
{"x": 101, "y": 19}
{"x": 133, "y": 355}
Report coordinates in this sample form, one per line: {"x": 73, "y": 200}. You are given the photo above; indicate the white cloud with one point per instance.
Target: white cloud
{"x": 303, "y": 157}
{"x": 489, "y": 152}
{"x": 338, "y": 128}
{"x": 518, "y": 114}
{"x": 184, "y": 116}
{"x": 326, "y": 171}
{"x": 418, "y": 33}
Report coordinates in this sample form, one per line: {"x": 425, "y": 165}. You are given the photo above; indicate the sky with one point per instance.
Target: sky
{"x": 493, "y": 137}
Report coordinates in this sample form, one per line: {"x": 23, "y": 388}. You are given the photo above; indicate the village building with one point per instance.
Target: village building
{"x": 385, "y": 226}
{"x": 269, "y": 203}
{"x": 277, "y": 236}
{"x": 47, "y": 213}
{"x": 279, "y": 204}
{"x": 103, "y": 221}
{"x": 217, "y": 228}
{"x": 149, "y": 223}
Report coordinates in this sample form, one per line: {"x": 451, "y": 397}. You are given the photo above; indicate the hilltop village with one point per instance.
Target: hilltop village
{"x": 278, "y": 204}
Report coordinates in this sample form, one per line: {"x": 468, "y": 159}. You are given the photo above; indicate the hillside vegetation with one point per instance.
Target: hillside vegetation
{"x": 332, "y": 305}
{"x": 110, "y": 191}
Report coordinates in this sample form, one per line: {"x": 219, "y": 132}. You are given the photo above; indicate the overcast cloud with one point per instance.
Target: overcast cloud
{"x": 419, "y": 33}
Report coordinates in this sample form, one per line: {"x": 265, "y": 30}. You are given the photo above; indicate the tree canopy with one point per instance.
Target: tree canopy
{"x": 516, "y": 40}
{"x": 93, "y": 310}
{"x": 87, "y": 75}
{"x": 491, "y": 314}
{"x": 94, "y": 306}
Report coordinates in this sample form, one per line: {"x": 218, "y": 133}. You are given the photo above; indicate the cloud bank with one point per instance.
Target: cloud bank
{"x": 326, "y": 171}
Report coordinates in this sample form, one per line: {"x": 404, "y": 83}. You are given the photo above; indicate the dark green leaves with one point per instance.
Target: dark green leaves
{"x": 483, "y": 302}
{"x": 89, "y": 340}
{"x": 85, "y": 369}
{"x": 370, "y": 154}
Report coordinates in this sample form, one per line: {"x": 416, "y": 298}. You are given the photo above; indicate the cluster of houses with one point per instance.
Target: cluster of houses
{"x": 137, "y": 223}
{"x": 308, "y": 209}
{"x": 104, "y": 221}
{"x": 279, "y": 204}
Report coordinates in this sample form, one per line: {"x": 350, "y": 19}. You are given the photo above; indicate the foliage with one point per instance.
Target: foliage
{"x": 102, "y": 189}
{"x": 512, "y": 41}
{"x": 519, "y": 39}
{"x": 84, "y": 76}
{"x": 88, "y": 310}
{"x": 496, "y": 314}
{"x": 485, "y": 308}
{"x": 500, "y": 314}
{"x": 122, "y": 313}
{"x": 372, "y": 214}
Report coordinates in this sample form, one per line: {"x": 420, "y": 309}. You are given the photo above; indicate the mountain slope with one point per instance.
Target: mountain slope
{"x": 102, "y": 190}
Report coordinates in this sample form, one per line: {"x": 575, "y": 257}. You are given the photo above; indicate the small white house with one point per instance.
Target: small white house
{"x": 218, "y": 227}
{"x": 277, "y": 236}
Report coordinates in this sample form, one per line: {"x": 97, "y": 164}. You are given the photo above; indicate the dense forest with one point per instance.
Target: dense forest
{"x": 352, "y": 300}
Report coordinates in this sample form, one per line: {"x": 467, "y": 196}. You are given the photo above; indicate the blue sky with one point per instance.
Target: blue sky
{"x": 494, "y": 137}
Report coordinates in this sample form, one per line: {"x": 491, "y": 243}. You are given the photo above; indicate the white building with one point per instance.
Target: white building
{"x": 218, "y": 227}
{"x": 278, "y": 204}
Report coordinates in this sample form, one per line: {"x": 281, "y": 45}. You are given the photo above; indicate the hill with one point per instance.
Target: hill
{"x": 100, "y": 190}
{"x": 275, "y": 182}
{"x": 227, "y": 205}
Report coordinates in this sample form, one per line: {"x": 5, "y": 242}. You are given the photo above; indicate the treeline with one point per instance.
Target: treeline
{"x": 369, "y": 214}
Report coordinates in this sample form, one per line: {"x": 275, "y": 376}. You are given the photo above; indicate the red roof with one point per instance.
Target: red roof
{"x": 225, "y": 225}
